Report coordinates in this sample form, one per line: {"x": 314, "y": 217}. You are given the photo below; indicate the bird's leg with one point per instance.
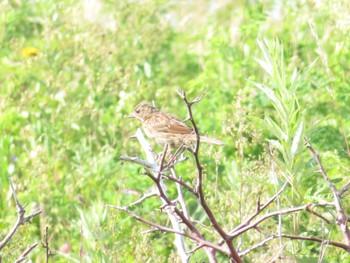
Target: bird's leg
{"x": 158, "y": 156}
{"x": 173, "y": 157}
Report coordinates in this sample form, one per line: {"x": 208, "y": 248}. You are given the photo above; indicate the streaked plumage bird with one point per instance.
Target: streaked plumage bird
{"x": 165, "y": 128}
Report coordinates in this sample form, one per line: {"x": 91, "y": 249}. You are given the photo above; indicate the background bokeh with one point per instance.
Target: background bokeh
{"x": 72, "y": 71}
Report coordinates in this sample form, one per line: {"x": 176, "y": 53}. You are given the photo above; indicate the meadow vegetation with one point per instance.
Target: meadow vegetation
{"x": 71, "y": 72}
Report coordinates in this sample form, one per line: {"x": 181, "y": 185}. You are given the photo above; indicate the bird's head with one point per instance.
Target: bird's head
{"x": 143, "y": 111}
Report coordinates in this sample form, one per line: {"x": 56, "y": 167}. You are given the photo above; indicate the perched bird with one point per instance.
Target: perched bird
{"x": 165, "y": 128}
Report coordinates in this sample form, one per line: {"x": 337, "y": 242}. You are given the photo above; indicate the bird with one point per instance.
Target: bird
{"x": 166, "y": 129}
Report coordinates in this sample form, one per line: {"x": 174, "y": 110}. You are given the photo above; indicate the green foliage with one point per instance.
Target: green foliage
{"x": 71, "y": 72}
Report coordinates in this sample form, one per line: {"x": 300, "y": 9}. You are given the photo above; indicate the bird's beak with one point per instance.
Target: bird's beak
{"x": 131, "y": 115}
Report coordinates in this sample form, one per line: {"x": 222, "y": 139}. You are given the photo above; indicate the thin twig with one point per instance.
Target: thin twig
{"x": 137, "y": 160}
{"x": 194, "y": 249}
{"x": 254, "y": 224}
{"x": 341, "y": 216}
{"x": 316, "y": 239}
{"x": 175, "y": 215}
{"x": 259, "y": 209}
{"x": 143, "y": 198}
{"x": 26, "y": 252}
{"x": 21, "y": 219}
{"x": 260, "y": 244}
{"x": 182, "y": 183}
{"x": 199, "y": 187}
{"x": 192, "y": 236}
{"x": 294, "y": 237}
{"x": 308, "y": 208}
{"x": 46, "y": 245}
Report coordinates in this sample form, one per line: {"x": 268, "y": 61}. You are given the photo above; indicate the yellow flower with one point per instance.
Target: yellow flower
{"x": 29, "y": 52}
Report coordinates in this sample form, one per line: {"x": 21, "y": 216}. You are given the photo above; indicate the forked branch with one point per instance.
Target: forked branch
{"x": 342, "y": 218}
{"x": 21, "y": 218}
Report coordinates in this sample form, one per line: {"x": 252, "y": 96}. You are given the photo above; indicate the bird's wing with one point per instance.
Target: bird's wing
{"x": 169, "y": 124}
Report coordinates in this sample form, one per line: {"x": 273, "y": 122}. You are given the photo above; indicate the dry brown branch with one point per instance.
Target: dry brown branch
{"x": 45, "y": 245}
{"x": 180, "y": 182}
{"x": 21, "y": 219}
{"x": 259, "y": 209}
{"x": 202, "y": 242}
{"x": 177, "y": 210}
{"x": 316, "y": 239}
{"x": 175, "y": 214}
{"x": 342, "y": 218}
{"x": 199, "y": 187}
{"x": 143, "y": 198}
{"x": 260, "y": 244}
{"x": 26, "y": 252}
{"x": 137, "y": 160}
{"x": 294, "y": 237}
{"x": 254, "y": 224}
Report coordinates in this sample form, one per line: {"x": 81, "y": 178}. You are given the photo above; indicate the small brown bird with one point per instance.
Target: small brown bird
{"x": 165, "y": 128}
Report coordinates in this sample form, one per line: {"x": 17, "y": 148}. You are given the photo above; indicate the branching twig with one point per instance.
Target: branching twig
{"x": 254, "y": 224}
{"x": 260, "y": 244}
{"x": 259, "y": 209}
{"x": 46, "y": 245}
{"x": 316, "y": 239}
{"x": 21, "y": 219}
{"x": 143, "y": 198}
{"x": 341, "y": 216}
{"x": 174, "y": 214}
{"x": 137, "y": 160}
{"x": 192, "y": 236}
{"x": 194, "y": 249}
{"x": 26, "y": 252}
{"x": 199, "y": 188}
{"x": 182, "y": 183}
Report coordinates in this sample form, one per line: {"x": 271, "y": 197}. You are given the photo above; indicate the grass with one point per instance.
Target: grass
{"x": 71, "y": 72}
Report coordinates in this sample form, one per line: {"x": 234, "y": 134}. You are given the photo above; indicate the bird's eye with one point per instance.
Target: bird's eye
{"x": 137, "y": 111}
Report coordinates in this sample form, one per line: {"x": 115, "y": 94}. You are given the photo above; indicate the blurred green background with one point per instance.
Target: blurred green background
{"x": 71, "y": 72}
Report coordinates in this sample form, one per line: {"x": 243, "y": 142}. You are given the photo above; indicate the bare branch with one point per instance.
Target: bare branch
{"x": 137, "y": 160}
{"x": 182, "y": 183}
{"x": 194, "y": 249}
{"x": 143, "y": 198}
{"x": 254, "y": 224}
{"x": 259, "y": 209}
{"x": 46, "y": 245}
{"x": 308, "y": 208}
{"x": 192, "y": 236}
{"x": 26, "y": 252}
{"x": 294, "y": 237}
{"x": 21, "y": 219}
{"x": 341, "y": 216}
{"x": 174, "y": 214}
{"x": 199, "y": 187}
{"x": 316, "y": 239}
{"x": 260, "y": 244}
